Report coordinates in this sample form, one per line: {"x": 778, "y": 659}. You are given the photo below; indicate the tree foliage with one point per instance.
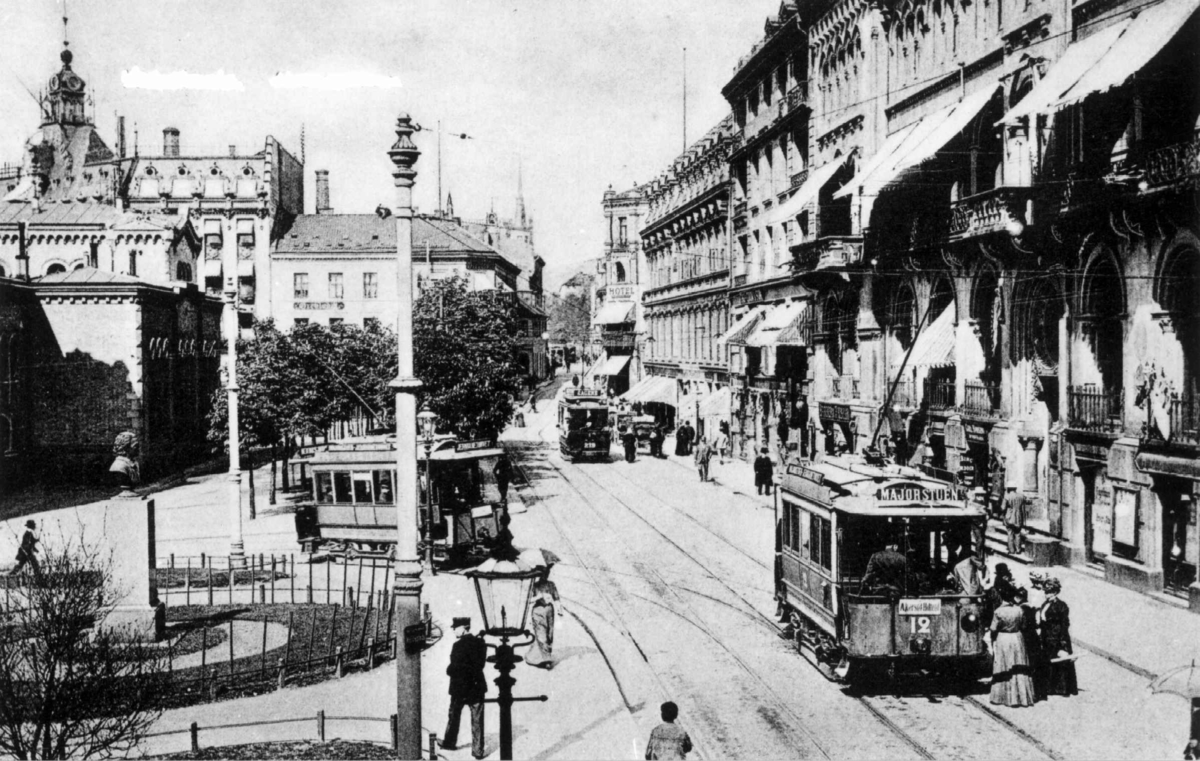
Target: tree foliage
{"x": 465, "y": 348}
{"x": 67, "y": 690}
{"x": 570, "y": 319}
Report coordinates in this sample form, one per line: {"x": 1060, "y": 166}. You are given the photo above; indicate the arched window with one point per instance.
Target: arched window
{"x": 3, "y": 272}
{"x": 183, "y": 271}
{"x": 985, "y": 306}
{"x": 56, "y": 268}
{"x": 1179, "y": 295}
{"x": 1103, "y": 309}
{"x": 620, "y": 272}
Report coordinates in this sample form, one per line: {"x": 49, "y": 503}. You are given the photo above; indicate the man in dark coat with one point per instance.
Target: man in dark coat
{"x": 764, "y": 470}
{"x": 681, "y": 441}
{"x": 1014, "y": 518}
{"x": 629, "y": 442}
{"x": 886, "y": 570}
{"x": 467, "y": 686}
{"x": 503, "y": 473}
{"x": 27, "y": 552}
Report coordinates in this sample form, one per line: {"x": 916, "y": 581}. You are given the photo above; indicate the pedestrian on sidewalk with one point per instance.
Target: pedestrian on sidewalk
{"x": 1014, "y": 519}
{"x": 703, "y": 456}
{"x": 1012, "y": 684}
{"x": 1033, "y": 643}
{"x": 656, "y": 441}
{"x": 764, "y": 470}
{"x": 27, "y": 552}
{"x": 681, "y": 441}
{"x": 629, "y": 442}
{"x": 503, "y": 473}
{"x": 668, "y": 740}
{"x": 541, "y": 618}
{"x": 721, "y": 443}
{"x": 467, "y": 686}
{"x": 1056, "y": 641}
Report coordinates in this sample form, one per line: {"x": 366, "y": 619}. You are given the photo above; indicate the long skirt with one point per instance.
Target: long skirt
{"x": 541, "y": 653}
{"x": 1012, "y": 684}
{"x": 1061, "y": 679}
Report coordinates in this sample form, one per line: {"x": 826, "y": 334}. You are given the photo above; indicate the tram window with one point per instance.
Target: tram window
{"x": 362, "y": 488}
{"x": 324, "y": 488}
{"x": 486, "y": 469}
{"x": 577, "y": 421}
{"x": 383, "y": 487}
{"x": 341, "y": 487}
{"x": 819, "y": 541}
{"x": 794, "y": 527}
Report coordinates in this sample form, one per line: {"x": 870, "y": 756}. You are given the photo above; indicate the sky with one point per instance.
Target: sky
{"x": 579, "y": 95}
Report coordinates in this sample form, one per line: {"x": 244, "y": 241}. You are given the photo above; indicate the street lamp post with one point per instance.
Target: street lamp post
{"x": 501, "y": 586}
{"x": 237, "y": 547}
{"x": 427, "y": 422}
{"x": 407, "y": 582}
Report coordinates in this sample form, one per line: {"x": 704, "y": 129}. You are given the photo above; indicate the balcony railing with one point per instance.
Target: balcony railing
{"x": 981, "y": 398}
{"x": 1184, "y": 417}
{"x": 996, "y": 210}
{"x": 1091, "y": 408}
{"x": 830, "y": 252}
{"x": 797, "y": 96}
{"x": 939, "y": 395}
{"x": 1173, "y": 163}
{"x": 618, "y": 340}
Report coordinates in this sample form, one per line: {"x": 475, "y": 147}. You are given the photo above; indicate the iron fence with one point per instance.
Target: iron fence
{"x": 1092, "y": 408}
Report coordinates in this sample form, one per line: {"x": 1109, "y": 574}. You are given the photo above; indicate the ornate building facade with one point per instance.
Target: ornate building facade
{"x": 1003, "y": 261}
{"x": 685, "y": 295}
{"x": 619, "y": 328}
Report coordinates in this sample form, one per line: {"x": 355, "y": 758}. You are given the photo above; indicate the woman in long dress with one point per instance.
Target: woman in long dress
{"x": 1033, "y": 643}
{"x": 1012, "y": 684}
{"x": 541, "y": 653}
{"x": 1056, "y": 641}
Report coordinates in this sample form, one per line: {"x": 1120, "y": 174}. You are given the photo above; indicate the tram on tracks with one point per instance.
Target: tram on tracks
{"x": 864, "y": 560}
{"x": 584, "y": 427}
{"x": 352, "y": 510}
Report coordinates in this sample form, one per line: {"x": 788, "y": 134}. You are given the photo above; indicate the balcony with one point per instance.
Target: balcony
{"x": 797, "y": 96}
{"x": 1000, "y": 209}
{"x": 1174, "y": 163}
{"x": 834, "y": 252}
{"x": 618, "y": 340}
{"x": 739, "y": 207}
{"x": 981, "y": 399}
{"x": 1184, "y": 416}
{"x": 1091, "y": 408}
{"x": 939, "y": 395}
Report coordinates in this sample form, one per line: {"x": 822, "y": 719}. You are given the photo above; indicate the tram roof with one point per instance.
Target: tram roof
{"x": 380, "y": 450}
{"x": 851, "y": 485}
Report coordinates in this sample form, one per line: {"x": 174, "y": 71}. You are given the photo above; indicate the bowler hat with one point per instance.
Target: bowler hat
{"x": 30, "y": 524}
{"x": 463, "y": 622}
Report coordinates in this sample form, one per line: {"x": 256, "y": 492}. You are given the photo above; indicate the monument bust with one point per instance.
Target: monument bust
{"x": 124, "y": 469}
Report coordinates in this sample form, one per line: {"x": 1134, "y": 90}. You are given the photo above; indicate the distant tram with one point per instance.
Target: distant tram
{"x": 584, "y": 429}
{"x": 353, "y": 508}
{"x": 834, "y": 516}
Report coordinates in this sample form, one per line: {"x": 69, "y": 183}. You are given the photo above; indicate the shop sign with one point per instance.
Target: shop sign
{"x": 1102, "y": 510}
{"x": 834, "y": 413}
{"x": 319, "y": 305}
{"x": 1125, "y": 515}
{"x": 955, "y": 437}
{"x": 976, "y": 434}
{"x": 473, "y": 445}
{"x": 806, "y": 473}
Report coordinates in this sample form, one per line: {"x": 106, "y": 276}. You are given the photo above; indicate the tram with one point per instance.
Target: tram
{"x": 352, "y": 512}
{"x": 840, "y": 522}
{"x": 583, "y": 424}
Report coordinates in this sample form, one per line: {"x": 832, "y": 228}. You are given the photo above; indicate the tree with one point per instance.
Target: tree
{"x": 70, "y": 689}
{"x": 465, "y": 352}
{"x": 570, "y": 319}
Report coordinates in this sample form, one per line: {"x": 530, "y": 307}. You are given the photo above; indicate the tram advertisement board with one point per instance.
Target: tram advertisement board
{"x": 920, "y": 607}
{"x": 473, "y": 445}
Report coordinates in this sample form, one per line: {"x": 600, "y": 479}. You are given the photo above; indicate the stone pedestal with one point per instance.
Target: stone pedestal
{"x": 129, "y": 529}
{"x": 1044, "y": 551}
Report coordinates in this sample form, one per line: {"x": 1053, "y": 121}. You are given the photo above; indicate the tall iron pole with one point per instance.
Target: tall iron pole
{"x": 685, "y": 143}
{"x": 237, "y": 548}
{"x": 407, "y": 583}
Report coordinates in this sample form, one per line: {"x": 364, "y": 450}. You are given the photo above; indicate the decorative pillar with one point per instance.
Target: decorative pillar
{"x": 407, "y": 583}
{"x": 237, "y": 547}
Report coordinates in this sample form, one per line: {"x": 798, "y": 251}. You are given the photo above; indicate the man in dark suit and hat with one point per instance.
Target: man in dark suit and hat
{"x": 27, "y": 552}
{"x": 467, "y": 686}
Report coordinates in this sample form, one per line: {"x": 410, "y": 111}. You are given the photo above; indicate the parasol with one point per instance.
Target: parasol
{"x": 1183, "y": 681}
{"x": 536, "y": 556}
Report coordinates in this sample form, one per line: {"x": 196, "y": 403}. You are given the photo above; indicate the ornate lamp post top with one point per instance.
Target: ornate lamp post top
{"x": 404, "y": 152}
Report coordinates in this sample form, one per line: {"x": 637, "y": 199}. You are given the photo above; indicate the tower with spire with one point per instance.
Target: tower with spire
{"x": 521, "y": 219}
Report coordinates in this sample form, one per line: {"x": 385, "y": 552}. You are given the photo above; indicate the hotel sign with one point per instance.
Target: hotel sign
{"x": 319, "y": 305}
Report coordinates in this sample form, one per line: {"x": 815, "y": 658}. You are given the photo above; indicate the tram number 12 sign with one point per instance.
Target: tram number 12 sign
{"x": 920, "y": 607}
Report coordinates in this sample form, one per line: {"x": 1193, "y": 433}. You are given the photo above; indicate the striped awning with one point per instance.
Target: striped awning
{"x": 743, "y": 327}
{"x": 613, "y": 365}
{"x": 615, "y": 312}
{"x": 655, "y": 388}
{"x": 935, "y": 344}
{"x": 771, "y": 327}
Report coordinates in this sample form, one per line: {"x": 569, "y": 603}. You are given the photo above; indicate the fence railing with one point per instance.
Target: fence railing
{"x": 981, "y": 398}
{"x": 1184, "y": 417}
{"x": 266, "y": 579}
{"x": 1091, "y": 408}
{"x": 939, "y": 395}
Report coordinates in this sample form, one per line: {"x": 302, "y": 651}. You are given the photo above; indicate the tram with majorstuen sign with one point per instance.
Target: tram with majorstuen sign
{"x": 352, "y": 512}
{"x": 865, "y": 554}
{"x": 584, "y": 427}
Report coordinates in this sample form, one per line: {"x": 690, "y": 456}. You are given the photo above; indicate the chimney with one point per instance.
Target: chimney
{"x": 171, "y": 143}
{"x": 121, "y": 137}
{"x": 323, "y": 206}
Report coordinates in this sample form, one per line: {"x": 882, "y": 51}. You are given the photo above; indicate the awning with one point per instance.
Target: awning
{"x": 911, "y": 146}
{"x": 935, "y": 344}
{"x": 613, "y": 365}
{"x": 1078, "y": 58}
{"x": 615, "y": 312}
{"x": 794, "y": 334}
{"x": 1141, "y": 39}
{"x": 770, "y": 327}
{"x": 736, "y": 335}
{"x": 715, "y": 404}
{"x": 1167, "y": 465}
{"x": 655, "y": 388}
{"x": 817, "y": 178}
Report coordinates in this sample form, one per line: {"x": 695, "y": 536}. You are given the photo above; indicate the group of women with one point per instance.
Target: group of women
{"x": 1032, "y": 656}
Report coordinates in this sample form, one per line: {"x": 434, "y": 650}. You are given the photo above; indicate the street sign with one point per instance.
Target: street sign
{"x": 414, "y": 638}
{"x": 473, "y": 445}
{"x": 920, "y": 607}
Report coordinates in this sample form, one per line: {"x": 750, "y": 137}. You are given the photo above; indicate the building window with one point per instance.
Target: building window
{"x": 132, "y": 263}
{"x": 336, "y": 287}
{"x": 623, "y": 234}
{"x": 245, "y": 242}
{"x": 371, "y": 323}
{"x": 183, "y": 271}
{"x": 300, "y": 322}
{"x": 300, "y": 286}
{"x": 620, "y": 270}
{"x": 370, "y": 285}
{"x": 54, "y": 269}
{"x": 212, "y": 246}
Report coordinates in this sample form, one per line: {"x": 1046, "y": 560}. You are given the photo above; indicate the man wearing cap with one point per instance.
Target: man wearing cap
{"x": 27, "y": 552}
{"x": 1014, "y": 518}
{"x": 467, "y": 686}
